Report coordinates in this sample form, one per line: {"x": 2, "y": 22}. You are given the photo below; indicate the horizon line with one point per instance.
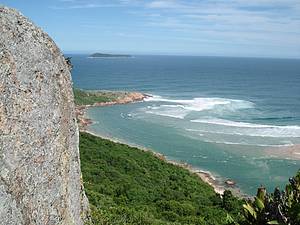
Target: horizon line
{"x": 174, "y": 54}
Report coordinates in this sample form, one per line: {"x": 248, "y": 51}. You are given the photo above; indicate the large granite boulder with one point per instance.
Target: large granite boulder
{"x": 40, "y": 178}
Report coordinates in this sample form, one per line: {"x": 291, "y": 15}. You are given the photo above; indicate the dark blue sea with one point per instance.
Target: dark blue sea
{"x": 237, "y": 118}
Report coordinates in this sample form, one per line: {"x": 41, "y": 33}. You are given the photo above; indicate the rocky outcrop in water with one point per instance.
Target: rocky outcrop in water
{"x": 39, "y": 157}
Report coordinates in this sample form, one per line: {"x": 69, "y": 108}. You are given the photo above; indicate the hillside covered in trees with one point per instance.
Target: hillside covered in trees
{"x": 126, "y": 185}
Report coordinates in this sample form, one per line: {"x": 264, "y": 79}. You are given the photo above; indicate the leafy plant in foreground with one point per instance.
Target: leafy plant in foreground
{"x": 279, "y": 207}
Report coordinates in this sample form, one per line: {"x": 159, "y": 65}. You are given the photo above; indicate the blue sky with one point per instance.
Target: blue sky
{"x": 259, "y": 28}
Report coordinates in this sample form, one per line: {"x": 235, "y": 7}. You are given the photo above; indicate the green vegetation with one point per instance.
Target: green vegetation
{"x": 84, "y": 97}
{"x": 126, "y": 185}
{"x": 279, "y": 207}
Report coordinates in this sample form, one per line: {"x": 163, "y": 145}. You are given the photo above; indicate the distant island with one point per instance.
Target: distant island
{"x": 103, "y": 55}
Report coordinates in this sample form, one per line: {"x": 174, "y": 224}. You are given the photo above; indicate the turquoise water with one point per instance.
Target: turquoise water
{"x": 218, "y": 114}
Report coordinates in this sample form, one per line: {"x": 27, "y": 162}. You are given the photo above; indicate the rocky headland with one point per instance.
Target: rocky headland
{"x": 86, "y": 99}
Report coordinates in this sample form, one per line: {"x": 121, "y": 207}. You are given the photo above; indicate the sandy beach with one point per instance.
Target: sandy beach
{"x": 285, "y": 152}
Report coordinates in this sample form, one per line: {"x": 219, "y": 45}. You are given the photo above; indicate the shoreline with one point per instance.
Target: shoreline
{"x": 206, "y": 176}
{"x": 219, "y": 186}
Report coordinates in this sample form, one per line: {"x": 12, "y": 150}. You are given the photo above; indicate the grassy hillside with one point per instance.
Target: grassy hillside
{"x": 126, "y": 185}
{"x": 83, "y": 97}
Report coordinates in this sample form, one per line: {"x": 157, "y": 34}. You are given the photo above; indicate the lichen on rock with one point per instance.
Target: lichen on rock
{"x": 39, "y": 155}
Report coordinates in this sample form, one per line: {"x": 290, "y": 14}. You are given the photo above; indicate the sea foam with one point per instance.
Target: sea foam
{"x": 249, "y": 129}
{"x": 179, "y": 108}
{"x": 209, "y": 114}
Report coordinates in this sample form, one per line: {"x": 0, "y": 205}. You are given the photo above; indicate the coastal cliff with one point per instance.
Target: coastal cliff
{"x": 40, "y": 177}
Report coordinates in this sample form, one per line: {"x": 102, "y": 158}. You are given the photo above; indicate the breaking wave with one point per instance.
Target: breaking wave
{"x": 206, "y": 121}
{"x": 179, "y": 108}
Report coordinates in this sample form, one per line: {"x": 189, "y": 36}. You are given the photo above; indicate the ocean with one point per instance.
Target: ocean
{"x": 218, "y": 114}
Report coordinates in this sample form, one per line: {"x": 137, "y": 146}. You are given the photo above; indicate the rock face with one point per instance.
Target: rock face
{"x": 40, "y": 177}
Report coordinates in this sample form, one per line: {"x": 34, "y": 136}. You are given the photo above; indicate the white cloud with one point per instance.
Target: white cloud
{"x": 67, "y": 0}
{"x": 165, "y": 4}
{"x": 257, "y": 24}
{"x": 81, "y": 4}
{"x": 87, "y": 6}
{"x": 240, "y": 22}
